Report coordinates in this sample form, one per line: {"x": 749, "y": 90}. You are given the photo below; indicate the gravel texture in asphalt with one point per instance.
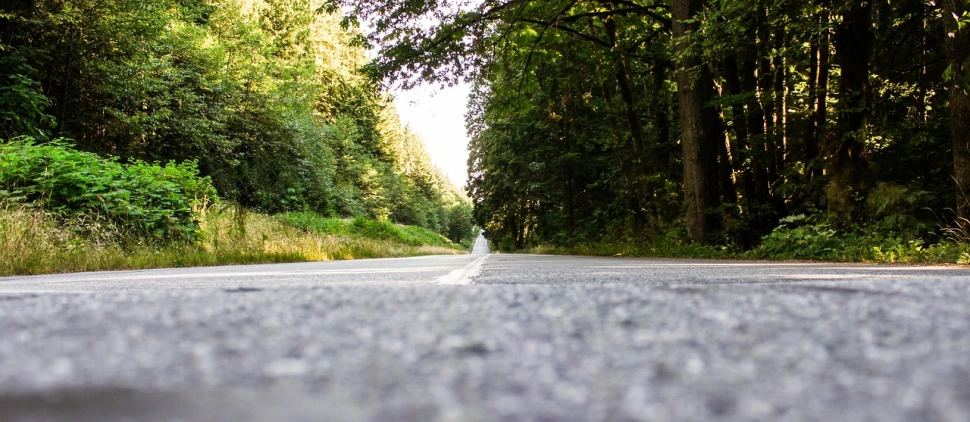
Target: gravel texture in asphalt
{"x": 489, "y": 337}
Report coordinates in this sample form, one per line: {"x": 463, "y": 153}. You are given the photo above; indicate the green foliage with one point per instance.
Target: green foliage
{"x": 267, "y": 96}
{"x": 22, "y": 106}
{"x": 797, "y": 237}
{"x": 362, "y": 227}
{"x": 148, "y": 200}
{"x": 34, "y": 241}
{"x": 460, "y": 225}
{"x": 805, "y": 238}
{"x": 316, "y": 223}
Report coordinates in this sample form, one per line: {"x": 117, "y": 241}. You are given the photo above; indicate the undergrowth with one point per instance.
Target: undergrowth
{"x": 153, "y": 202}
{"x": 63, "y": 210}
{"x": 33, "y": 241}
{"x": 797, "y": 238}
{"x": 366, "y": 228}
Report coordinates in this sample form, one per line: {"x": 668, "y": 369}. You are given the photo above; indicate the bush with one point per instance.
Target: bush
{"x": 151, "y": 201}
{"x": 800, "y": 237}
{"x": 383, "y": 230}
{"x": 362, "y": 227}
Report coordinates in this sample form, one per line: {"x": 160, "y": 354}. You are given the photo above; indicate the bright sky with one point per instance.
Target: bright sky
{"x": 437, "y": 115}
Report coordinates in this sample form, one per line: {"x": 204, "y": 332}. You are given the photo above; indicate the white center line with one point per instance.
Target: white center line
{"x": 463, "y": 275}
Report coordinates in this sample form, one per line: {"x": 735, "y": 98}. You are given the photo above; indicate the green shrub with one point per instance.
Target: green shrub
{"x": 383, "y": 230}
{"x": 151, "y": 201}
{"x": 362, "y": 227}
{"x": 800, "y": 237}
{"x": 313, "y": 222}
{"x": 797, "y": 237}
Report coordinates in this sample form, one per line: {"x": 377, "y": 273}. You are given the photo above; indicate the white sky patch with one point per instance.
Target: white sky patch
{"x": 437, "y": 116}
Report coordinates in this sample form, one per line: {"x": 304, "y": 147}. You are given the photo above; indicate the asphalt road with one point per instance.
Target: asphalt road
{"x": 489, "y": 337}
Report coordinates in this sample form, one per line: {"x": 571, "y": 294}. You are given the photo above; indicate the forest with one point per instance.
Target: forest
{"x": 143, "y": 134}
{"x": 812, "y": 129}
{"x": 266, "y": 98}
{"x": 806, "y": 126}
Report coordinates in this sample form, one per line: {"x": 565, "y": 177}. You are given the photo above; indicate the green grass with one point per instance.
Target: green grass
{"x": 366, "y": 228}
{"x": 784, "y": 245}
{"x": 36, "y": 242}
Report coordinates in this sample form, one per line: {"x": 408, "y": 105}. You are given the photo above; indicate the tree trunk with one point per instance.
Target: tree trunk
{"x": 629, "y": 103}
{"x": 781, "y": 98}
{"x": 626, "y": 91}
{"x": 662, "y": 115}
{"x": 694, "y": 92}
{"x": 756, "y": 134}
{"x": 847, "y": 165}
{"x": 822, "y": 93}
{"x": 811, "y": 128}
{"x": 729, "y": 194}
{"x": 958, "y": 54}
{"x": 610, "y": 111}
{"x": 766, "y": 89}
{"x": 741, "y": 144}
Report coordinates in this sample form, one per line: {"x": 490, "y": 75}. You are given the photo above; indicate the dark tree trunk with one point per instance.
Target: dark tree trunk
{"x": 626, "y": 90}
{"x": 741, "y": 146}
{"x": 766, "y": 89}
{"x": 756, "y": 133}
{"x": 629, "y": 104}
{"x": 811, "y": 129}
{"x": 958, "y": 53}
{"x": 847, "y": 165}
{"x": 697, "y": 120}
{"x": 781, "y": 97}
{"x": 821, "y": 98}
{"x": 610, "y": 111}
{"x": 729, "y": 193}
{"x": 662, "y": 111}
{"x": 921, "y": 84}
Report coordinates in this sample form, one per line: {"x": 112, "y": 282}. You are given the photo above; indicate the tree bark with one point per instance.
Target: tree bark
{"x": 756, "y": 133}
{"x": 822, "y": 93}
{"x": 847, "y": 165}
{"x": 781, "y": 98}
{"x": 629, "y": 103}
{"x": 957, "y": 46}
{"x": 766, "y": 90}
{"x": 610, "y": 111}
{"x": 626, "y": 91}
{"x": 662, "y": 111}
{"x": 811, "y": 128}
{"x": 741, "y": 148}
{"x": 694, "y": 92}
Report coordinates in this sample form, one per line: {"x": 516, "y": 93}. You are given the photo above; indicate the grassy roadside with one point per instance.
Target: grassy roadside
{"x": 35, "y": 242}
{"x": 828, "y": 249}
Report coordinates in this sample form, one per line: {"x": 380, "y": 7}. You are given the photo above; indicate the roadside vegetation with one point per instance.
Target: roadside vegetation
{"x": 786, "y": 130}
{"x": 62, "y": 210}
{"x": 796, "y": 129}
{"x": 37, "y": 242}
{"x": 142, "y": 134}
{"x": 806, "y": 244}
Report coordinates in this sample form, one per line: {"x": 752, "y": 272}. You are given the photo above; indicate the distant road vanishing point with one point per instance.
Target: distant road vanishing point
{"x": 485, "y": 337}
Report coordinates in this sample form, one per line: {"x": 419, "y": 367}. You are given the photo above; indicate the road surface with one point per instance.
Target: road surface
{"x": 489, "y": 337}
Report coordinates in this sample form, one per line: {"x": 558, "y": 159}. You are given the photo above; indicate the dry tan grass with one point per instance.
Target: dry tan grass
{"x": 33, "y": 242}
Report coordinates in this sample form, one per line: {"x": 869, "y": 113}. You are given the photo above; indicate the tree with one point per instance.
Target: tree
{"x": 958, "y": 55}
{"x": 267, "y": 95}
{"x": 847, "y": 170}
{"x": 700, "y": 124}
